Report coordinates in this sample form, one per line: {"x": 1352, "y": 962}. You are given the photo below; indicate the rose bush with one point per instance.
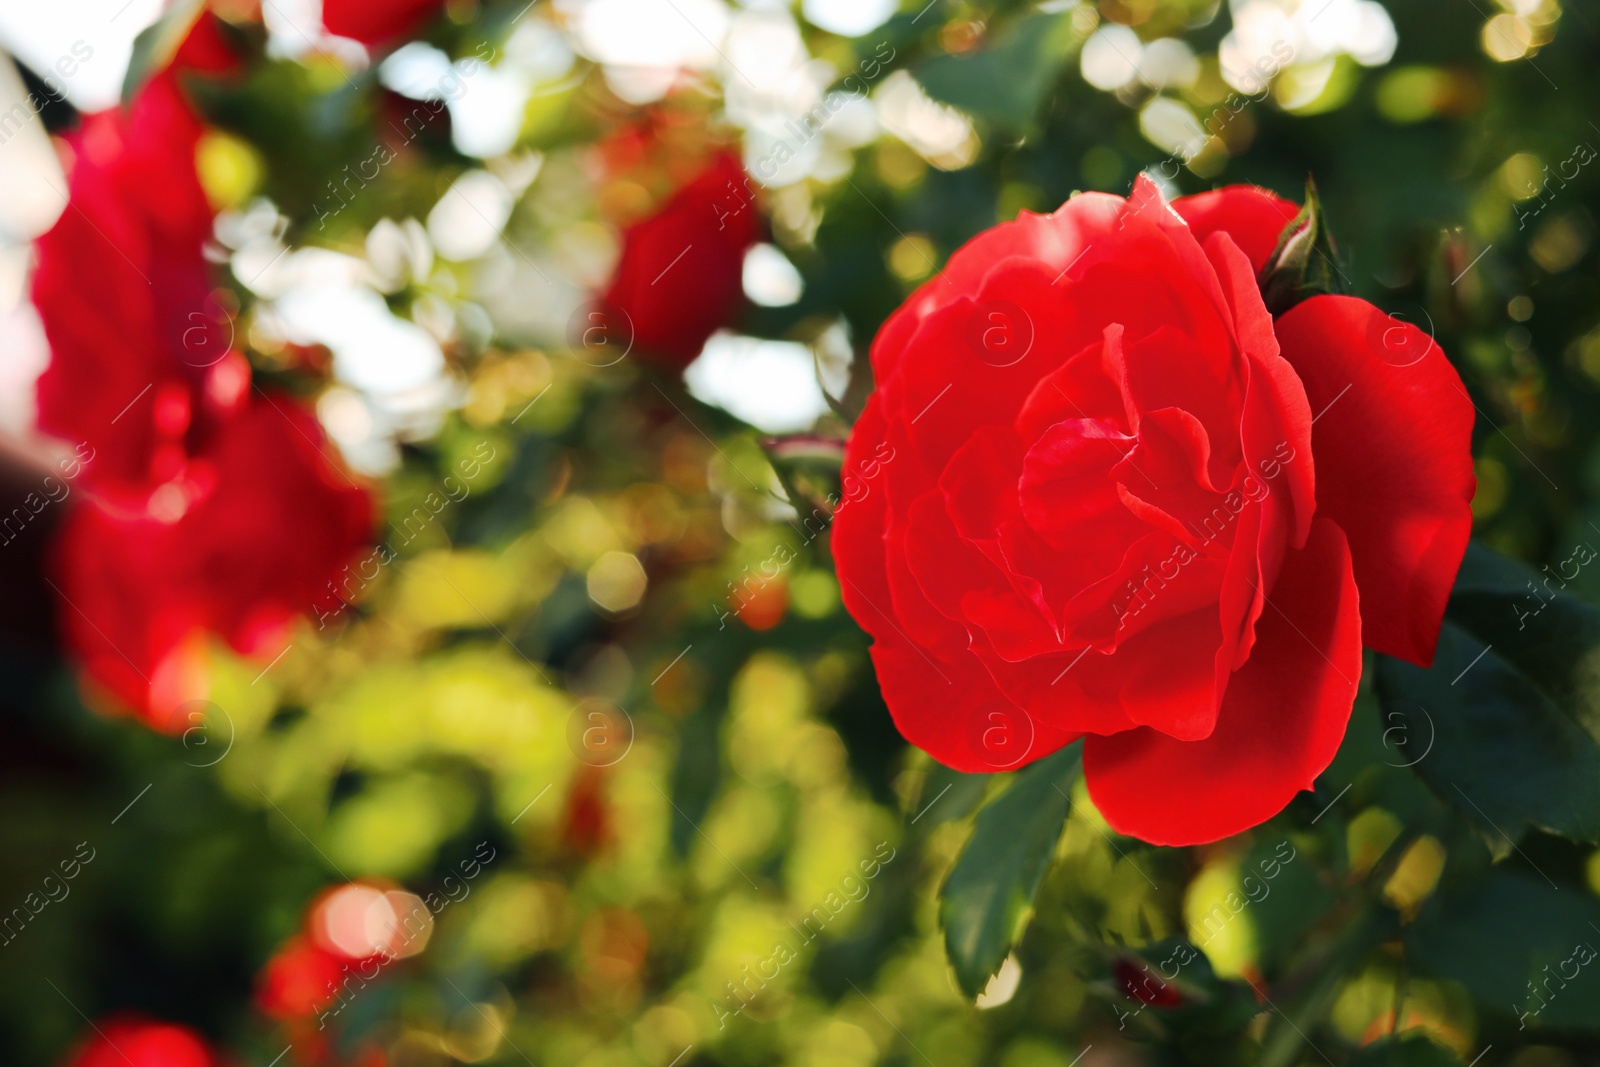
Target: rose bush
{"x": 1135, "y": 508}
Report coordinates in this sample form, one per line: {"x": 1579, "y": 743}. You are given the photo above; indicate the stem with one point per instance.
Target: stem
{"x": 1370, "y": 929}
{"x": 1399, "y": 997}
{"x": 1372, "y": 925}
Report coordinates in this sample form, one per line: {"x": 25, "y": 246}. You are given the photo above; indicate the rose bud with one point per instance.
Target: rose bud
{"x": 1138, "y": 982}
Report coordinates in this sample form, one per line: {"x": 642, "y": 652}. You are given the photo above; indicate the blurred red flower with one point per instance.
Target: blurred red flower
{"x": 373, "y": 22}
{"x": 206, "y": 48}
{"x": 762, "y": 607}
{"x": 124, "y": 292}
{"x": 212, "y": 510}
{"x": 1138, "y": 982}
{"x": 241, "y": 544}
{"x": 680, "y": 277}
{"x": 586, "y": 822}
{"x": 133, "y": 1042}
{"x": 1103, "y": 465}
{"x": 300, "y": 980}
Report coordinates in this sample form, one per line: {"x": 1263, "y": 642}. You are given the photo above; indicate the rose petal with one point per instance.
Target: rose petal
{"x": 373, "y": 22}
{"x": 1165, "y": 479}
{"x": 859, "y": 527}
{"x": 1252, "y": 216}
{"x": 1392, "y": 440}
{"x": 1084, "y": 387}
{"x": 1275, "y": 436}
{"x": 985, "y": 596}
{"x": 1173, "y": 676}
{"x": 980, "y": 353}
{"x": 1067, "y": 493}
{"x": 951, "y": 710}
{"x": 1282, "y": 718}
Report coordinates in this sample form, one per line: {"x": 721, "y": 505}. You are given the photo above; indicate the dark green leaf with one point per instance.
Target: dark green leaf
{"x": 1004, "y": 81}
{"x": 984, "y": 902}
{"x": 1304, "y": 263}
{"x": 1507, "y": 930}
{"x": 1551, "y": 637}
{"x": 1207, "y": 1006}
{"x": 948, "y": 795}
{"x": 157, "y": 43}
{"x": 1291, "y": 897}
{"x": 1503, "y": 725}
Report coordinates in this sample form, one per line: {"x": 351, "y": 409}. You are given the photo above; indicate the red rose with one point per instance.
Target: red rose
{"x": 213, "y": 509}
{"x": 132, "y": 1042}
{"x": 139, "y": 337}
{"x": 681, "y": 274}
{"x": 124, "y": 292}
{"x": 375, "y": 21}
{"x": 245, "y": 541}
{"x": 1088, "y": 500}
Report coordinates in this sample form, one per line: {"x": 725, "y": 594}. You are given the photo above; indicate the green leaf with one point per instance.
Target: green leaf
{"x": 1293, "y": 899}
{"x": 1501, "y": 932}
{"x": 1552, "y": 637}
{"x": 984, "y": 903}
{"x": 1004, "y": 82}
{"x": 1413, "y": 1050}
{"x": 1504, "y": 725}
{"x": 157, "y": 43}
{"x": 948, "y": 795}
{"x": 1305, "y": 262}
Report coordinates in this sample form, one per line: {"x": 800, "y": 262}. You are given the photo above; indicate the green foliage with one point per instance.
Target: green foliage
{"x": 157, "y": 43}
{"x": 1525, "y": 947}
{"x": 986, "y": 898}
{"x": 1006, "y": 81}
{"x": 1503, "y": 725}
